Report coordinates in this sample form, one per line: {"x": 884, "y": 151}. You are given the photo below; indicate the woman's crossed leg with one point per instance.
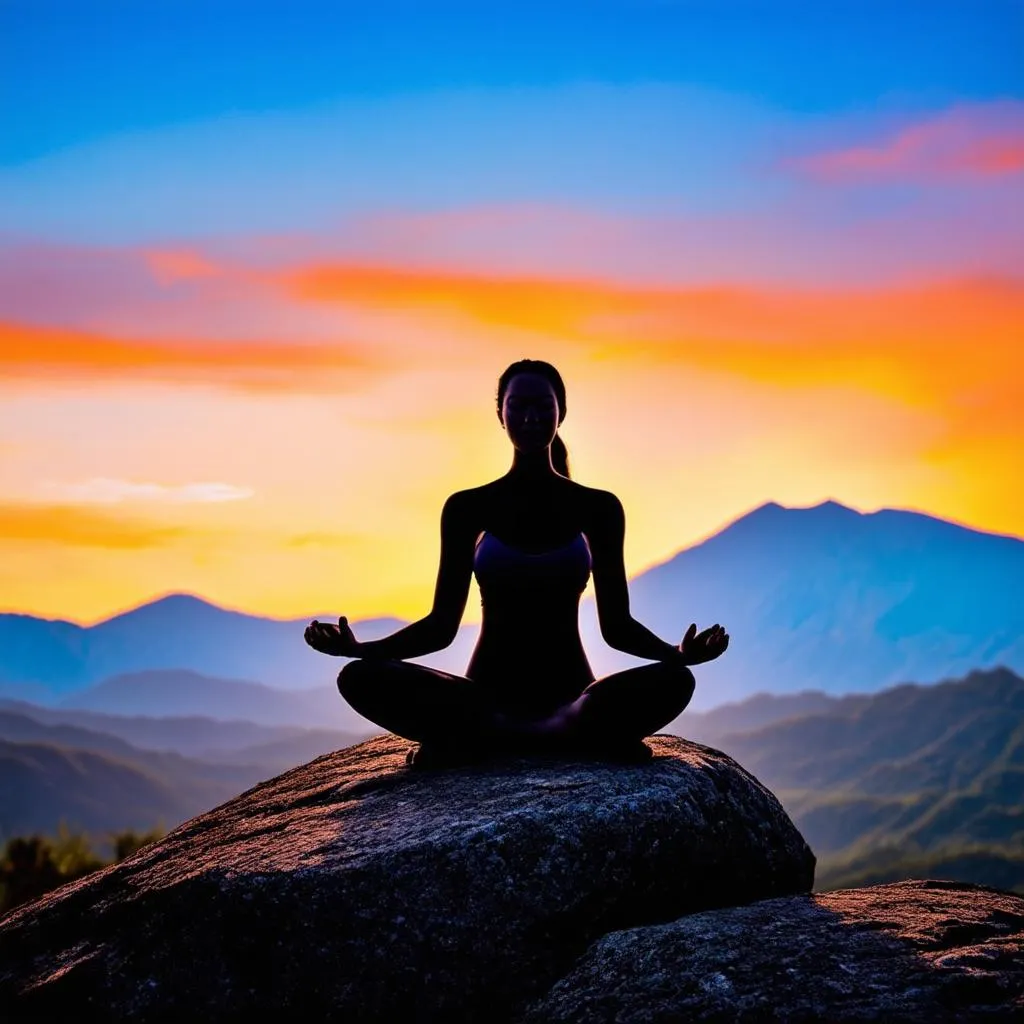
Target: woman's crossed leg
{"x": 442, "y": 709}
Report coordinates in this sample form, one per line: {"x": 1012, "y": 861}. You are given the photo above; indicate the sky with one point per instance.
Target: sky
{"x": 262, "y": 264}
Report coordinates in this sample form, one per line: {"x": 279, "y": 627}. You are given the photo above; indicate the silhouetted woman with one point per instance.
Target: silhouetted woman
{"x": 532, "y": 538}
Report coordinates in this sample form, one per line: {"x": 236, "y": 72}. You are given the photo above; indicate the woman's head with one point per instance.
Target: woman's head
{"x": 531, "y": 407}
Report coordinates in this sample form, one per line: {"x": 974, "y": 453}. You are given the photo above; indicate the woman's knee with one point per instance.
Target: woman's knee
{"x": 350, "y": 674}
{"x": 356, "y": 674}
{"x": 683, "y": 684}
{"x": 685, "y": 681}
{"x": 674, "y": 688}
{"x": 368, "y": 687}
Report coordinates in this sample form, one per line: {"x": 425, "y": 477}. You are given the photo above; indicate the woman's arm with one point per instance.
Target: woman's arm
{"x": 618, "y": 627}
{"x": 439, "y": 628}
{"x": 420, "y": 637}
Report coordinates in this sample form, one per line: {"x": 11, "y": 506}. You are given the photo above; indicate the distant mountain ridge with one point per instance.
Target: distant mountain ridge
{"x": 96, "y": 781}
{"x": 191, "y": 735}
{"x": 40, "y": 657}
{"x": 907, "y": 772}
{"x": 823, "y": 598}
{"x": 170, "y": 692}
{"x": 97, "y": 785}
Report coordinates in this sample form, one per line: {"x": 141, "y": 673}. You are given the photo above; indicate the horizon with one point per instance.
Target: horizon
{"x": 260, "y": 271}
{"x": 475, "y": 619}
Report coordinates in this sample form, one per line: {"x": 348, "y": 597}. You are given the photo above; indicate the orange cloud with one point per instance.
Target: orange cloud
{"x": 30, "y": 352}
{"x": 961, "y": 143}
{"x": 70, "y": 526}
{"x": 529, "y": 303}
{"x": 945, "y": 334}
{"x": 938, "y": 338}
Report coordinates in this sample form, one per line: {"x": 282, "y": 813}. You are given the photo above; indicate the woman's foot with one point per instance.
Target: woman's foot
{"x": 510, "y": 729}
{"x": 551, "y": 730}
{"x": 567, "y": 731}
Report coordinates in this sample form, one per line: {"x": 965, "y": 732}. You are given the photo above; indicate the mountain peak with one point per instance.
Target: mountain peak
{"x": 831, "y": 505}
{"x": 180, "y": 600}
{"x": 828, "y": 507}
{"x": 174, "y": 604}
{"x": 788, "y": 517}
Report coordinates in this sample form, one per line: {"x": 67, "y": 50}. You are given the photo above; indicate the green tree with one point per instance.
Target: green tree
{"x": 32, "y": 866}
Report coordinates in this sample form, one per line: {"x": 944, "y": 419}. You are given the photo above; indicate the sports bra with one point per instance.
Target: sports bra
{"x": 499, "y": 566}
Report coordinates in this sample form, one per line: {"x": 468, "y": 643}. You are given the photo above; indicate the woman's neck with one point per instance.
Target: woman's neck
{"x": 532, "y": 466}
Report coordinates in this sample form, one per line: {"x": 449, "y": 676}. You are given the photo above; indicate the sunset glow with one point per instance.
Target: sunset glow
{"x": 246, "y": 352}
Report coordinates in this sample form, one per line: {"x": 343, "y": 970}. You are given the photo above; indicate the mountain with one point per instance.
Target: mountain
{"x": 94, "y": 789}
{"x": 21, "y": 728}
{"x": 96, "y": 782}
{"x": 905, "y": 740}
{"x": 233, "y": 743}
{"x": 822, "y": 598}
{"x": 830, "y": 599}
{"x": 911, "y": 775}
{"x": 751, "y": 713}
{"x": 191, "y": 735}
{"x": 179, "y": 693}
{"x": 39, "y": 657}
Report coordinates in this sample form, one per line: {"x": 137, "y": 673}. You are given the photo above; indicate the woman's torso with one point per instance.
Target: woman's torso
{"x": 532, "y": 563}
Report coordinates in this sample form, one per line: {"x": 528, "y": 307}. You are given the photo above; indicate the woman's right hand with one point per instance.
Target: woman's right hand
{"x": 327, "y": 638}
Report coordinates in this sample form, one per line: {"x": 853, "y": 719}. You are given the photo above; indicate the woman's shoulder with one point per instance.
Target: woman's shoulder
{"x": 597, "y": 499}
{"x": 469, "y": 494}
{"x": 598, "y": 510}
{"x": 470, "y": 499}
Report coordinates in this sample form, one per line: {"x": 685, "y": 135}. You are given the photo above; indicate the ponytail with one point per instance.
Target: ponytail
{"x": 559, "y": 456}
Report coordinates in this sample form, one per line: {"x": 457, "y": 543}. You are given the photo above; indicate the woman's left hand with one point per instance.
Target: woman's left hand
{"x": 707, "y": 645}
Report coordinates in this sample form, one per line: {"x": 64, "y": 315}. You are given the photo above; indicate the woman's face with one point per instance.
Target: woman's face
{"x": 529, "y": 411}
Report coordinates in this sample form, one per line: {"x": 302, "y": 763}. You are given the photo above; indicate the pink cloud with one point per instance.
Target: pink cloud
{"x": 169, "y": 266}
{"x": 963, "y": 142}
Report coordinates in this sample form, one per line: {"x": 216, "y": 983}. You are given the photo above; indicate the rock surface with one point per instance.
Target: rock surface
{"x": 352, "y": 888}
{"x": 923, "y": 951}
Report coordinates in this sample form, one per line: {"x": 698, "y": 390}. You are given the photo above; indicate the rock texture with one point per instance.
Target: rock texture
{"x": 923, "y": 951}
{"x": 354, "y": 889}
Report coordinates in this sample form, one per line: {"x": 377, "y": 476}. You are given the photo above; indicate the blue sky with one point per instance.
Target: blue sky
{"x": 78, "y": 69}
{"x": 135, "y": 123}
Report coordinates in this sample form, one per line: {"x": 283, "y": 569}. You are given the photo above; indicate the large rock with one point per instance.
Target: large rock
{"x": 911, "y": 951}
{"x": 354, "y": 889}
